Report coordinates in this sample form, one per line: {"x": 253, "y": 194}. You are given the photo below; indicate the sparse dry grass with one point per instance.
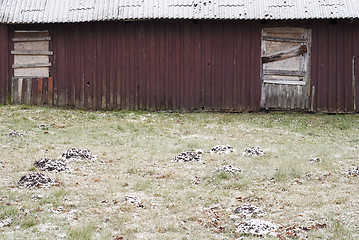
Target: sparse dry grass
{"x": 180, "y": 200}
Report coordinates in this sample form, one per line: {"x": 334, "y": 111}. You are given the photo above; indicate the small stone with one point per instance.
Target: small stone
{"x": 314, "y": 160}
{"x": 43, "y": 126}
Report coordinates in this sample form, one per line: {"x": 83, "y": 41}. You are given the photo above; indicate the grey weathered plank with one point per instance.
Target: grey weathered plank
{"x": 282, "y": 39}
{"x": 31, "y": 39}
{"x": 32, "y": 52}
{"x": 31, "y": 65}
{"x": 284, "y": 72}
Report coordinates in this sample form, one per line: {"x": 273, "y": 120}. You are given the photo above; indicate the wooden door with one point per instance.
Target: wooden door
{"x": 31, "y": 80}
{"x": 285, "y": 68}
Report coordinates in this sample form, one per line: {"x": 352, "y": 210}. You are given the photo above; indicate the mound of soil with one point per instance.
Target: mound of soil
{"x": 222, "y": 149}
{"x": 248, "y": 210}
{"x": 354, "y": 171}
{"x": 77, "y": 154}
{"x": 256, "y": 227}
{"x": 33, "y": 180}
{"x": 48, "y": 164}
{"x": 15, "y": 134}
{"x": 187, "y": 157}
{"x": 253, "y": 152}
{"x": 229, "y": 169}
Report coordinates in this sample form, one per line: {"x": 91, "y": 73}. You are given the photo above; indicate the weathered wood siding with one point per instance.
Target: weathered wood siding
{"x": 3, "y": 64}
{"x": 32, "y": 91}
{"x": 333, "y": 48}
{"x": 157, "y": 65}
{"x": 213, "y": 65}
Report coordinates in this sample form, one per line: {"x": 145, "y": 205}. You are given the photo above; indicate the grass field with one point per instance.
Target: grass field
{"x": 178, "y": 200}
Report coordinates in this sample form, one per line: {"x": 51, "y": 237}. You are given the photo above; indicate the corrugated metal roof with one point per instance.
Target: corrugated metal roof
{"x": 60, "y": 11}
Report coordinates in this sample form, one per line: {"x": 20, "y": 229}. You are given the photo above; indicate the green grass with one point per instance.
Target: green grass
{"x": 82, "y": 232}
{"x": 135, "y": 151}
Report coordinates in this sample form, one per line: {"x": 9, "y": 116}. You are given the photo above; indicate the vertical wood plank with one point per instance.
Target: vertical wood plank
{"x": 228, "y": 61}
{"x": 254, "y": 73}
{"x": 131, "y": 72}
{"x": 314, "y": 67}
{"x": 217, "y": 57}
{"x": 237, "y": 67}
{"x": 14, "y": 90}
{"x": 27, "y": 91}
{"x": 141, "y": 67}
{"x": 45, "y": 91}
{"x": 245, "y": 66}
{"x": 207, "y": 66}
{"x": 33, "y": 91}
{"x": 118, "y": 68}
{"x": 39, "y": 91}
{"x": 347, "y": 46}
{"x": 323, "y": 67}
{"x": 50, "y": 87}
{"x": 332, "y": 80}
{"x": 78, "y": 67}
{"x": 186, "y": 63}
{"x": 341, "y": 61}
{"x": 197, "y": 93}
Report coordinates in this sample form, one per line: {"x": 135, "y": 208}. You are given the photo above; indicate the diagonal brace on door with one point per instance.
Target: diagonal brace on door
{"x": 284, "y": 54}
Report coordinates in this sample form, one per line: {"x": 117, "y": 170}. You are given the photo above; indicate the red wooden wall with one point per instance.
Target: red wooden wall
{"x": 158, "y": 65}
{"x": 333, "y": 48}
{"x": 192, "y": 65}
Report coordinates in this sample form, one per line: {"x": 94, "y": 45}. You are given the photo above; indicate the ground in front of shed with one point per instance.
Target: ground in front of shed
{"x": 130, "y": 187}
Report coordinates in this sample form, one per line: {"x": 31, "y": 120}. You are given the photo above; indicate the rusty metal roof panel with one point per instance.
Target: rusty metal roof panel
{"x": 62, "y": 11}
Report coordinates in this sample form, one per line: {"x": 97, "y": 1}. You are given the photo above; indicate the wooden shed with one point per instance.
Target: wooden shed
{"x": 181, "y": 55}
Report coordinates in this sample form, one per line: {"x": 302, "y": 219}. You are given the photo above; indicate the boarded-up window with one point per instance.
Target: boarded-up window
{"x": 285, "y": 55}
{"x": 31, "y": 54}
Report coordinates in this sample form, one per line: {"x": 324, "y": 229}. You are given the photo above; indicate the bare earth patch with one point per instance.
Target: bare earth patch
{"x": 36, "y": 179}
{"x": 257, "y": 227}
{"x": 187, "y": 157}
{"x": 253, "y": 152}
{"x": 48, "y": 164}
